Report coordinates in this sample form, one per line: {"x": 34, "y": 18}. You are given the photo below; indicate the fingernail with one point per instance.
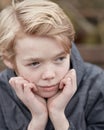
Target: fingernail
{"x": 72, "y": 70}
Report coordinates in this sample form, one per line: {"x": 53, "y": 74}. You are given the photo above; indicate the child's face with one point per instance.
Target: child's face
{"x": 42, "y": 61}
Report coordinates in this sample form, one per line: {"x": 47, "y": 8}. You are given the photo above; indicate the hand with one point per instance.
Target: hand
{"x": 26, "y": 93}
{"x": 58, "y": 103}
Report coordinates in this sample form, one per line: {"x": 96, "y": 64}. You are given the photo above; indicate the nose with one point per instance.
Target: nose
{"x": 48, "y": 74}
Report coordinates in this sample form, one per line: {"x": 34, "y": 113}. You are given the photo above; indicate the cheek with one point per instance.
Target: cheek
{"x": 63, "y": 71}
{"x": 65, "y": 68}
{"x": 31, "y": 76}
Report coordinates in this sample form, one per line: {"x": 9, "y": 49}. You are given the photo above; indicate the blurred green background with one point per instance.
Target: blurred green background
{"x": 87, "y": 17}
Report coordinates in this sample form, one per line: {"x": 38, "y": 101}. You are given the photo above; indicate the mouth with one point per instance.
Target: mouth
{"x": 49, "y": 88}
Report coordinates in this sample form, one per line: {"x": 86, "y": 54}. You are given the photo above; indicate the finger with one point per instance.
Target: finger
{"x": 74, "y": 79}
{"x": 70, "y": 83}
{"x": 63, "y": 81}
{"x": 72, "y": 75}
{"x": 17, "y": 80}
{"x": 29, "y": 94}
{"x": 31, "y": 86}
{"x": 62, "y": 84}
{"x": 17, "y": 83}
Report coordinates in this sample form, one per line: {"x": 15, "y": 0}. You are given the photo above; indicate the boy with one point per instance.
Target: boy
{"x": 47, "y": 85}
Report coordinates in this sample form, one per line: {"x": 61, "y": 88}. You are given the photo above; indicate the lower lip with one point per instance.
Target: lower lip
{"x": 49, "y": 88}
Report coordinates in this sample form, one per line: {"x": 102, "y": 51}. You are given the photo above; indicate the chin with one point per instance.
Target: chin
{"x": 48, "y": 95}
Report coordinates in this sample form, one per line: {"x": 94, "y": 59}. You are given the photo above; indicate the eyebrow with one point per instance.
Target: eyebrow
{"x": 40, "y": 58}
{"x": 60, "y": 54}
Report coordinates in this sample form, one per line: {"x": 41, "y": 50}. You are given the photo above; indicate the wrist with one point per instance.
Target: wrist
{"x": 37, "y": 123}
{"x": 60, "y": 121}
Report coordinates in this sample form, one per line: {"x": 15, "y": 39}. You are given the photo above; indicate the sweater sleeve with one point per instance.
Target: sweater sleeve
{"x": 71, "y": 126}
{"x": 95, "y": 107}
{"x": 95, "y": 119}
{"x": 2, "y": 122}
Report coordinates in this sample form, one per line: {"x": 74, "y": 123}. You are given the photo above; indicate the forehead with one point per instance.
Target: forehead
{"x": 38, "y": 46}
{"x": 37, "y": 41}
{"x": 60, "y": 39}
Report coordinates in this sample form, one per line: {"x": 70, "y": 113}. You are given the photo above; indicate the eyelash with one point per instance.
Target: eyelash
{"x": 56, "y": 61}
{"x": 60, "y": 59}
{"x": 35, "y": 64}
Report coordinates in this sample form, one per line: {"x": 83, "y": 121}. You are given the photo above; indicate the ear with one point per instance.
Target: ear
{"x": 8, "y": 63}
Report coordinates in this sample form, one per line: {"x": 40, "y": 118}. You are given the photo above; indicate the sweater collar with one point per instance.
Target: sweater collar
{"x": 77, "y": 63}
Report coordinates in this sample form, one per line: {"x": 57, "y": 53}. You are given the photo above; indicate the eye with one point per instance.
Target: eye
{"x": 35, "y": 64}
{"x": 60, "y": 59}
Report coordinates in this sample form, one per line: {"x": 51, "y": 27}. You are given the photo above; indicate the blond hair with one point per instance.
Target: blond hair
{"x": 33, "y": 17}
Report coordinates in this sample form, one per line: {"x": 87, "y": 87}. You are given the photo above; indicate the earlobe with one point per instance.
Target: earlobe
{"x": 8, "y": 63}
